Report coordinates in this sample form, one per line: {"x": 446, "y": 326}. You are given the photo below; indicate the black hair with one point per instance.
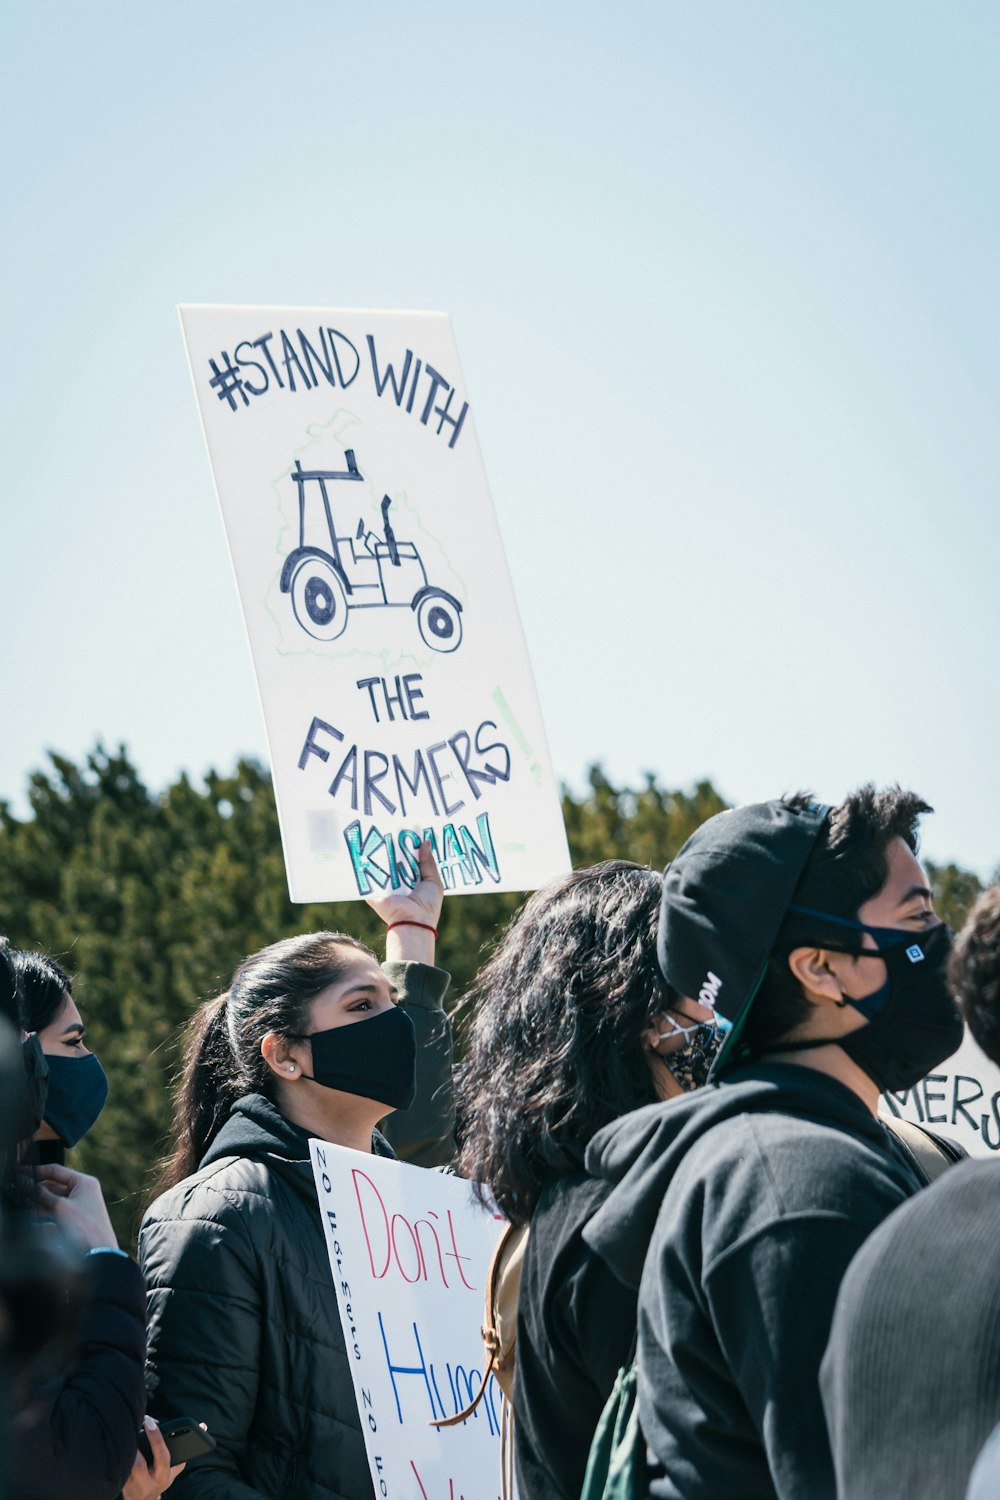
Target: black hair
{"x": 44, "y": 988}
{"x": 17, "y": 1191}
{"x": 11, "y": 1005}
{"x": 270, "y": 992}
{"x": 555, "y": 1045}
{"x": 847, "y": 867}
{"x": 974, "y": 972}
{"x": 10, "y": 1010}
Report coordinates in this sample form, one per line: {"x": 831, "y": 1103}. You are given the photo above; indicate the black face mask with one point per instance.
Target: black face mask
{"x": 375, "y": 1058}
{"x": 78, "y": 1091}
{"x": 913, "y": 1023}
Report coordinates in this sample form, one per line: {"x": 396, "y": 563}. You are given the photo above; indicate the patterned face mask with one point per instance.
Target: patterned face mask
{"x": 692, "y": 1061}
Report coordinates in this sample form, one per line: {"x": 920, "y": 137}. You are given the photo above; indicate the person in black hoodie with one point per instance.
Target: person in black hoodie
{"x": 573, "y": 1027}
{"x": 911, "y": 1377}
{"x": 737, "y": 1209}
{"x": 244, "y": 1330}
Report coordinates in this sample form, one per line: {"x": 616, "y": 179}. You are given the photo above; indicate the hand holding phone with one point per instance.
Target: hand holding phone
{"x": 184, "y": 1439}
{"x": 149, "y": 1479}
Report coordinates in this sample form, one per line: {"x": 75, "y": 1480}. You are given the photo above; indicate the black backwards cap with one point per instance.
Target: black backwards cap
{"x": 725, "y": 897}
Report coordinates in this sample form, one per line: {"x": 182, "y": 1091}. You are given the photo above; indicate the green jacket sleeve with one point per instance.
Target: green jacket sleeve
{"x": 424, "y": 1134}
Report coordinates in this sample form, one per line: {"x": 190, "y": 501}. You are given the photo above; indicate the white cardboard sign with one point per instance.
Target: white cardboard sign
{"x": 393, "y": 673}
{"x": 409, "y": 1252}
{"x": 960, "y": 1099}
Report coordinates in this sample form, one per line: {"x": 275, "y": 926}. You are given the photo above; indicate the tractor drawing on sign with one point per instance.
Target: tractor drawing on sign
{"x": 330, "y": 573}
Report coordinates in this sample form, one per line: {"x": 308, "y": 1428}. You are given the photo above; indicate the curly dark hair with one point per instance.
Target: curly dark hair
{"x": 848, "y": 866}
{"x": 555, "y": 1045}
{"x": 974, "y": 972}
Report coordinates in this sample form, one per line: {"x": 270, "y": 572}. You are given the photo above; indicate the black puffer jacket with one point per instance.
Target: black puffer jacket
{"x": 244, "y": 1328}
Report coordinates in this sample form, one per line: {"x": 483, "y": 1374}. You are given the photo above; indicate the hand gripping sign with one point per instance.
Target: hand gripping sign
{"x": 393, "y": 673}
{"x": 409, "y": 1251}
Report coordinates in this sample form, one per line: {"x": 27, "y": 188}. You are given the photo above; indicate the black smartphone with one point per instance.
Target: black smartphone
{"x": 184, "y": 1440}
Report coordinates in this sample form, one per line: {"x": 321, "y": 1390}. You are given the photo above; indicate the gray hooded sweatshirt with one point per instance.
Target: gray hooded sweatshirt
{"x": 736, "y": 1210}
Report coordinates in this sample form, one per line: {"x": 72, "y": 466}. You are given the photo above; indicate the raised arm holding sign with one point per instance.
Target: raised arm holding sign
{"x": 411, "y": 914}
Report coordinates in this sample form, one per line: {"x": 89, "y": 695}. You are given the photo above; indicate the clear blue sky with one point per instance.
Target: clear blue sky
{"x": 724, "y": 281}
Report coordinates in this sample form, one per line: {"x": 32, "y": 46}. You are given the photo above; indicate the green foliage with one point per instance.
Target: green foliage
{"x": 150, "y": 901}
{"x": 954, "y": 891}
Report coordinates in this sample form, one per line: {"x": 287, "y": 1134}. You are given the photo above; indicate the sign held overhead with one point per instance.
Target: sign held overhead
{"x": 392, "y": 668}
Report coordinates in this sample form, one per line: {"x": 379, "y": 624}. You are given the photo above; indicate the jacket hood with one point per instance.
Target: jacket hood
{"x": 257, "y": 1128}
{"x": 640, "y": 1153}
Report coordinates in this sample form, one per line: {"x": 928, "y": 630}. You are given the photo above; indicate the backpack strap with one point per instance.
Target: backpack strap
{"x": 929, "y": 1153}
{"x": 499, "y": 1330}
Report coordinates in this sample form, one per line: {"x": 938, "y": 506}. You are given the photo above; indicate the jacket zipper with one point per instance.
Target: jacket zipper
{"x": 291, "y": 1475}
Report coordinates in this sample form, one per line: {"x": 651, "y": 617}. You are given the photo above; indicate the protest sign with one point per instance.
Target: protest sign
{"x": 960, "y": 1099}
{"x": 392, "y": 668}
{"x": 409, "y": 1252}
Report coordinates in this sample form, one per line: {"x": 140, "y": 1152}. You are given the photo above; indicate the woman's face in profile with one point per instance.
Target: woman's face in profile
{"x": 62, "y": 1037}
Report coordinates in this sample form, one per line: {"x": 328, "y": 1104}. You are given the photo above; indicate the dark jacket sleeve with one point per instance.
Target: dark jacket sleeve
{"x": 204, "y": 1310}
{"x": 571, "y": 1344}
{"x": 772, "y": 1300}
{"x": 78, "y": 1435}
{"x": 424, "y": 1134}
{"x": 752, "y": 1241}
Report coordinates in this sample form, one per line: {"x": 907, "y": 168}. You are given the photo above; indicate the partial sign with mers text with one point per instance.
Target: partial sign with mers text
{"x": 960, "y": 1099}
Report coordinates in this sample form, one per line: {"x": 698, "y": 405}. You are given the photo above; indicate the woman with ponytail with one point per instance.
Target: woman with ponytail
{"x": 313, "y": 1038}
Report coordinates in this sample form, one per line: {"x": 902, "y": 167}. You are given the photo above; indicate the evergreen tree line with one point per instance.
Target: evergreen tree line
{"x": 150, "y": 900}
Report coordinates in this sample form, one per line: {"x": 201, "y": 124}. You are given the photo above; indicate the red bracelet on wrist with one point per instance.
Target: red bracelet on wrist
{"x": 405, "y": 922}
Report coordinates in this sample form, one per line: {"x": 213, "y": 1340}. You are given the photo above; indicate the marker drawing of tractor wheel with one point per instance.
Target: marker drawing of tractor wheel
{"x": 439, "y": 621}
{"x": 318, "y": 599}
{"x": 333, "y": 571}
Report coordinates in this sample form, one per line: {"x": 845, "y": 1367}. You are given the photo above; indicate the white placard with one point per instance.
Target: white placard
{"x": 960, "y": 1099}
{"x": 409, "y": 1252}
{"x": 393, "y": 673}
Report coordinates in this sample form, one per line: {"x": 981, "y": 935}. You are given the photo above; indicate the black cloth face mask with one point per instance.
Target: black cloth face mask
{"x": 375, "y": 1058}
{"x": 913, "y": 1023}
{"x": 78, "y": 1091}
